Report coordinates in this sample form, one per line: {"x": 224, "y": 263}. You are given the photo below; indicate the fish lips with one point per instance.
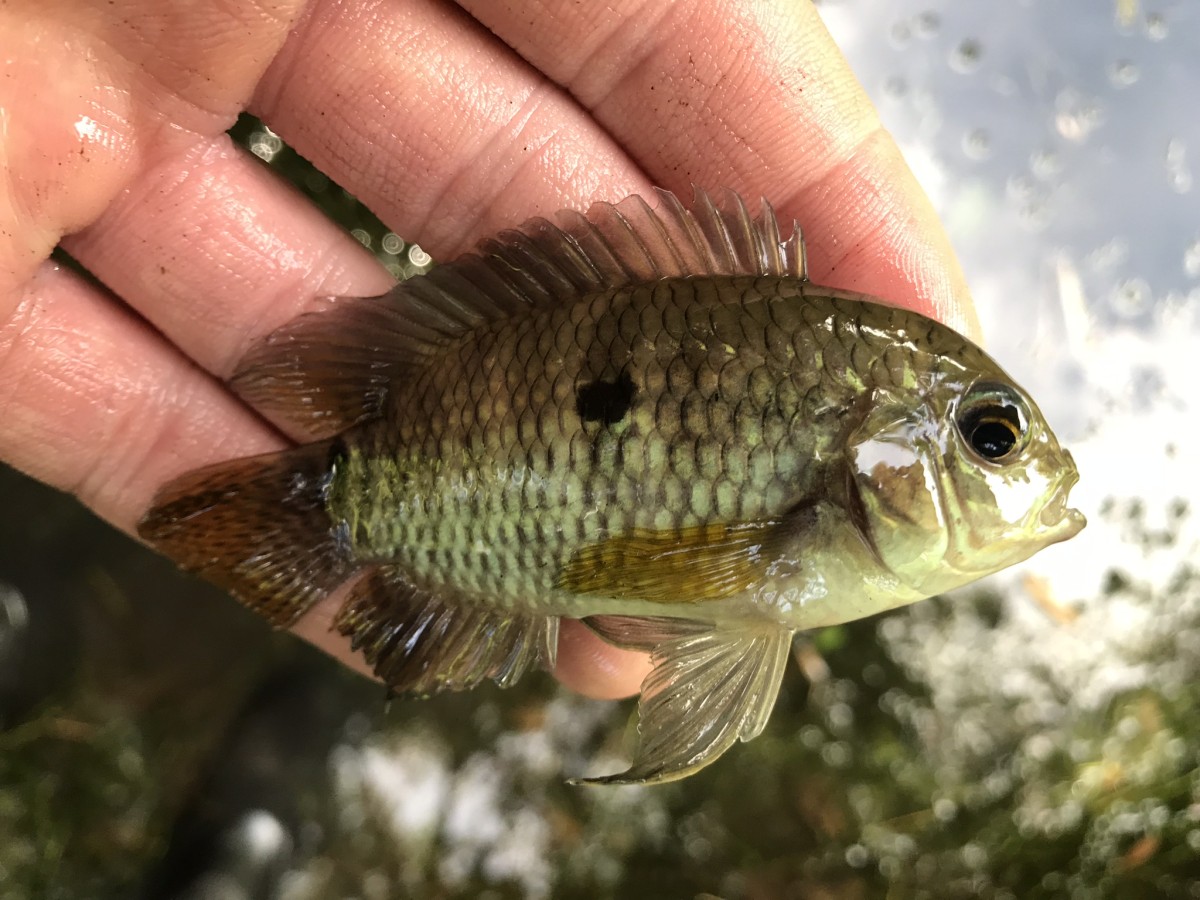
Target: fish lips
{"x": 1061, "y": 521}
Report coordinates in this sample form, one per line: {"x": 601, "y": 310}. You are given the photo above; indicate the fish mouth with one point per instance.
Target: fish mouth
{"x": 1060, "y": 520}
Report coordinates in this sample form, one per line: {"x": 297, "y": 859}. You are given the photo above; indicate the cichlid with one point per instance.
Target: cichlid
{"x": 650, "y": 420}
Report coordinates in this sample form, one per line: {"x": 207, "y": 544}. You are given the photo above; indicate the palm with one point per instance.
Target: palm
{"x": 112, "y": 124}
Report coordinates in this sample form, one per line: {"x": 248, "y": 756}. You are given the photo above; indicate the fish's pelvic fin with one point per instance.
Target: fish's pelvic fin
{"x": 677, "y": 565}
{"x": 334, "y": 367}
{"x": 710, "y": 686}
{"x": 418, "y": 642}
{"x": 256, "y": 527}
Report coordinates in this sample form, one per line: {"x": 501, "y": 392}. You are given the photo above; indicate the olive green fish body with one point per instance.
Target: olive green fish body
{"x": 647, "y": 419}
{"x": 660, "y": 407}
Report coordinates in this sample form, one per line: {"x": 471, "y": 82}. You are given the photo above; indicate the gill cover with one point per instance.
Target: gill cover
{"x": 894, "y": 460}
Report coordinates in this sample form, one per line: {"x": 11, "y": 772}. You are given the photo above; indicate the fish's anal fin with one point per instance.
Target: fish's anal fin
{"x": 336, "y": 366}
{"x": 679, "y": 565}
{"x": 710, "y": 686}
{"x": 417, "y": 642}
{"x": 257, "y": 527}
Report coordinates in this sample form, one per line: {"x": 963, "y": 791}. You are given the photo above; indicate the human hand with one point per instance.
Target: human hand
{"x": 112, "y": 122}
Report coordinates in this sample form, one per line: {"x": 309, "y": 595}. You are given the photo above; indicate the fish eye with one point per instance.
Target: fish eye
{"x": 993, "y": 421}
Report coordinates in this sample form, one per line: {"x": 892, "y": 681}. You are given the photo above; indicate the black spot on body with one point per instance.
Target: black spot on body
{"x": 605, "y": 402}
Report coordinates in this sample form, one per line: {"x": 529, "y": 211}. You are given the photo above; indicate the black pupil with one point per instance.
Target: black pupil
{"x": 993, "y": 438}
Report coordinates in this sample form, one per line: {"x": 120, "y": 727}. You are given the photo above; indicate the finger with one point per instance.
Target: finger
{"x": 752, "y": 94}
{"x": 216, "y": 250}
{"x": 88, "y": 94}
{"x": 95, "y": 402}
{"x": 590, "y": 666}
{"x": 438, "y": 127}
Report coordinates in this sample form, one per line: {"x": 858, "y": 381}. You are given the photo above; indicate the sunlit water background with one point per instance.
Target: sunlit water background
{"x": 1035, "y": 738}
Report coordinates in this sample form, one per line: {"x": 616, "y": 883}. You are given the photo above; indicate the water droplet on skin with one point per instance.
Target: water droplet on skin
{"x": 926, "y": 24}
{"x": 1156, "y": 26}
{"x": 966, "y": 56}
{"x": 1122, "y": 73}
{"x": 1191, "y": 259}
{"x": 1131, "y": 298}
{"x": 977, "y": 144}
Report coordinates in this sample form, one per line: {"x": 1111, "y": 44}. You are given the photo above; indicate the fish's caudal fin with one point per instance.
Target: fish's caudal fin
{"x": 418, "y": 642}
{"x": 710, "y": 687}
{"x": 257, "y": 527}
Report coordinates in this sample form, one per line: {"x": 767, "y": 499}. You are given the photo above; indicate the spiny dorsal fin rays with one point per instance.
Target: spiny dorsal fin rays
{"x": 329, "y": 370}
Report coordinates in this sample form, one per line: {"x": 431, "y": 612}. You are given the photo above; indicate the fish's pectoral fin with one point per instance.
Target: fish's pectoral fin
{"x": 710, "y": 687}
{"x": 680, "y": 565}
{"x": 418, "y": 642}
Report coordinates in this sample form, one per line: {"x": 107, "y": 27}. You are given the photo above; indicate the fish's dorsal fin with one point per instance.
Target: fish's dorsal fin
{"x": 418, "y": 642}
{"x": 710, "y": 686}
{"x": 630, "y": 242}
{"x": 334, "y": 367}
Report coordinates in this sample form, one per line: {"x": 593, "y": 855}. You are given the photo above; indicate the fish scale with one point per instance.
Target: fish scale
{"x": 625, "y": 475}
{"x": 647, "y": 419}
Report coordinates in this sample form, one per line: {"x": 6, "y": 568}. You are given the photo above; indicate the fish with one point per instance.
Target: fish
{"x": 645, "y": 417}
